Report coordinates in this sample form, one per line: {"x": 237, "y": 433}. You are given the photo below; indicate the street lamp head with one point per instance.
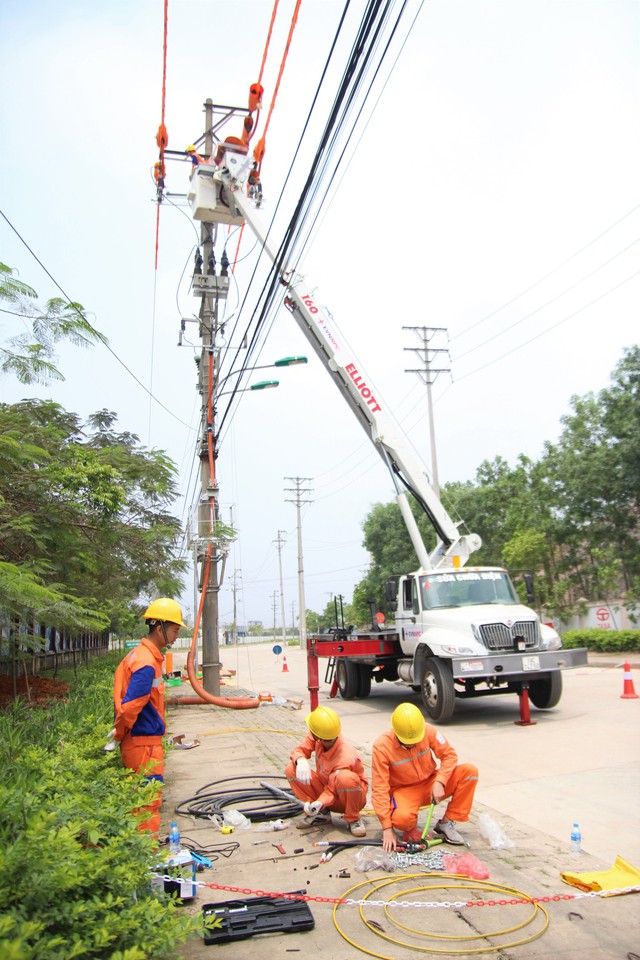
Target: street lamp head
{"x": 264, "y": 385}
{"x": 290, "y": 361}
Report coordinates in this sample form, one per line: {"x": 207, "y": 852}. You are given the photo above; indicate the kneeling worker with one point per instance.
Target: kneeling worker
{"x": 407, "y": 777}
{"x": 338, "y": 783}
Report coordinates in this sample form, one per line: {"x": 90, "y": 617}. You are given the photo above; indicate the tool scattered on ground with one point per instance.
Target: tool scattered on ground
{"x": 279, "y": 848}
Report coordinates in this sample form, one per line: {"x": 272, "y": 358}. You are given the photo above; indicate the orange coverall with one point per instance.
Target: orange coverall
{"x": 338, "y": 781}
{"x": 138, "y": 694}
{"x": 403, "y": 779}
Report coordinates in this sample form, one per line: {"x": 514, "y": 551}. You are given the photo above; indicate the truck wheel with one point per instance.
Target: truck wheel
{"x": 347, "y": 676}
{"x": 364, "y": 681}
{"x": 546, "y": 692}
{"x": 438, "y": 693}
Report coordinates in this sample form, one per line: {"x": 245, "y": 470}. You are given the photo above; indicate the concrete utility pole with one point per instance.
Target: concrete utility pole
{"x": 212, "y": 289}
{"x": 274, "y": 598}
{"x": 298, "y": 491}
{"x": 234, "y": 578}
{"x": 429, "y": 374}
{"x": 280, "y": 542}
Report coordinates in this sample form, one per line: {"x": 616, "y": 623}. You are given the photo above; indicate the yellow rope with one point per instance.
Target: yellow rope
{"x": 470, "y": 885}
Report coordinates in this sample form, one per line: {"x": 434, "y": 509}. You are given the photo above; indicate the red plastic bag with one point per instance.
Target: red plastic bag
{"x": 466, "y": 865}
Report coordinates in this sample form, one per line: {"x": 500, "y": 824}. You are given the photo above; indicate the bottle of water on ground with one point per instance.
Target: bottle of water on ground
{"x": 576, "y": 838}
{"x": 174, "y": 840}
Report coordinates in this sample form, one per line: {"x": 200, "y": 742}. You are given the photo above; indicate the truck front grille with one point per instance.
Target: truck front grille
{"x": 498, "y": 636}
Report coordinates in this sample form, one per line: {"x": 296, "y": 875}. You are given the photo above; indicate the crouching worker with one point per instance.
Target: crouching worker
{"x": 138, "y": 694}
{"x": 338, "y": 782}
{"x": 413, "y": 765}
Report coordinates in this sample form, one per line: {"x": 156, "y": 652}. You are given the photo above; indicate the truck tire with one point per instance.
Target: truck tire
{"x": 438, "y": 692}
{"x": 546, "y": 692}
{"x": 348, "y": 678}
{"x": 364, "y": 681}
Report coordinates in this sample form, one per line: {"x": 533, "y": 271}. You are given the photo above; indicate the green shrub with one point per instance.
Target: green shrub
{"x": 603, "y": 641}
{"x": 75, "y": 869}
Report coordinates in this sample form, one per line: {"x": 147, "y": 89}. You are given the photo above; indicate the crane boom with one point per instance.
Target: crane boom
{"x": 228, "y": 203}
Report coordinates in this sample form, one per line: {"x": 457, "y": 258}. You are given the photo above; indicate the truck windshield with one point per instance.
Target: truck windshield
{"x": 461, "y": 588}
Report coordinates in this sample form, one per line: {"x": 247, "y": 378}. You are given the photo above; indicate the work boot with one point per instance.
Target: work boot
{"x": 358, "y": 828}
{"x": 447, "y": 830}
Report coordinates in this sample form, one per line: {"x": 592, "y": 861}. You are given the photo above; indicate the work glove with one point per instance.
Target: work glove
{"x": 311, "y": 809}
{"x": 112, "y": 743}
{"x": 303, "y": 770}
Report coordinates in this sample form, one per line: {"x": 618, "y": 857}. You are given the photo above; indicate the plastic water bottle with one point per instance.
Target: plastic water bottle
{"x": 174, "y": 840}
{"x": 576, "y": 838}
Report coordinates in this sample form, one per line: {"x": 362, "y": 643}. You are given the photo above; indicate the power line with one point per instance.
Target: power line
{"x": 89, "y": 325}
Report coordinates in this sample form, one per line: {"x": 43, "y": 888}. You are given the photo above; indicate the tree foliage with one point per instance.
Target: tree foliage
{"x": 85, "y": 526}
{"x": 572, "y": 517}
{"x": 30, "y": 354}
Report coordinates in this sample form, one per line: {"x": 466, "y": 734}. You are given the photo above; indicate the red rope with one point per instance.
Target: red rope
{"x": 162, "y": 138}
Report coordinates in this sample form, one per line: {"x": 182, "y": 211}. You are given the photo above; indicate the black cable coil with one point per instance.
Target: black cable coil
{"x": 256, "y": 803}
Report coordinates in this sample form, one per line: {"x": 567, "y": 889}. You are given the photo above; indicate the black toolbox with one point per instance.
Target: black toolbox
{"x": 239, "y": 919}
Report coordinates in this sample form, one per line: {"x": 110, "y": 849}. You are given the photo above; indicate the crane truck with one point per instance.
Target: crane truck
{"x": 459, "y": 631}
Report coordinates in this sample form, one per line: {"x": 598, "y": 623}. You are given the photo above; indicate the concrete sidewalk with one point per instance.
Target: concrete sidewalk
{"x": 256, "y": 743}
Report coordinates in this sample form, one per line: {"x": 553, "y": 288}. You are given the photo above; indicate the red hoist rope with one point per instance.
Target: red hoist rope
{"x": 259, "y": 149}
{"x": 162, "y": 137}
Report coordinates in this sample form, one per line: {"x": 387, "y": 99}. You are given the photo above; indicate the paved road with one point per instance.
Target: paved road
{"x": 580, "y": 762}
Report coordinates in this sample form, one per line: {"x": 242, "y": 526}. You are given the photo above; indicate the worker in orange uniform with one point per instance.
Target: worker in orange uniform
{"x": 338, "y": 782}
{"x": 414, "y": 765}
{"x": 138, "y": 693}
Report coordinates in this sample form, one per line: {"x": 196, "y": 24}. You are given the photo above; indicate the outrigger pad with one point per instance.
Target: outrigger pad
{"x": 239, "y": 919}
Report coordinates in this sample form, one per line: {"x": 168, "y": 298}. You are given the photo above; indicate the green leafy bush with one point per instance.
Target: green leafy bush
{"x": 75, "y": 869}
{"x": 603, "y": 641}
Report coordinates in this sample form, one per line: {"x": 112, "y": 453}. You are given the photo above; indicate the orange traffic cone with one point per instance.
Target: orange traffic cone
{"x": 628, "y": 690}
{"x": 285, "y": 668}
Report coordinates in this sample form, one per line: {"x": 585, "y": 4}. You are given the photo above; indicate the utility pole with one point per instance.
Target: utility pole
{"x": 234, "y": 578}
{"x": 212, "y": 289}
{"x": 298, "y": 491}
{"x": 274, "y": 598}
{"x": 429, "y": 374}
{"x": 280, "y": 543}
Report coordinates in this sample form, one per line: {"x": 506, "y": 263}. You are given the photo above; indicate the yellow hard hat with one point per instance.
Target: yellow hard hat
{"x": 324, "y": 723}
{"x": 408, "y": 723}
{"x": 164, "y": 609}
{"x": 191, "y": 148}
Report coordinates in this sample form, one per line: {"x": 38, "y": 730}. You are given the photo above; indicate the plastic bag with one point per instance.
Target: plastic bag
{"x": 271, "y": 825}
{"x": 466, "y": 865}
{"x": 233, "y": 818}
{"x": 493, "y": 833}
{"x": 373, "y": 858}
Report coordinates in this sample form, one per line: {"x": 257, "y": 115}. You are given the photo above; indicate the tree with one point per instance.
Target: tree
{"x": 30, "y": 355}
{"x": 84, "y": 515}
{"x": 572, "y": 517}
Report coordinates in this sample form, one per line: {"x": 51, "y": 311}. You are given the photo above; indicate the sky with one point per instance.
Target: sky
{"x": 491, "y": 190}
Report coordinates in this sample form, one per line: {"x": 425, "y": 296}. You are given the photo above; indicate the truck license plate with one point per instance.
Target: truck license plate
{"x": 531, "y": 663}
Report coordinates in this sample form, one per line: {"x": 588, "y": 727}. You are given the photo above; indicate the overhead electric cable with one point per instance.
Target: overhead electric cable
{"x": 547, "y": 275}
{"x": 90, "y": 326}
{"x": 552, "y": 327}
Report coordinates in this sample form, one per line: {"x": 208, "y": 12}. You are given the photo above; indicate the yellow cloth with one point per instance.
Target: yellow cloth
{"x": 622, "y": 874}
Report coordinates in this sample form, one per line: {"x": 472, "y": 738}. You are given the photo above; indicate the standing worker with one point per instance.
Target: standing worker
{"x": 406, "y": 777}
{"x": 138, "y": 694}
{"x": 338, "y": 783}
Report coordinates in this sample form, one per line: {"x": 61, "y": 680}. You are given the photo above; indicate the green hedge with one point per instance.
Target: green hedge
{"x": 603, "y": 641}
{"x": 75, "y": 870}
